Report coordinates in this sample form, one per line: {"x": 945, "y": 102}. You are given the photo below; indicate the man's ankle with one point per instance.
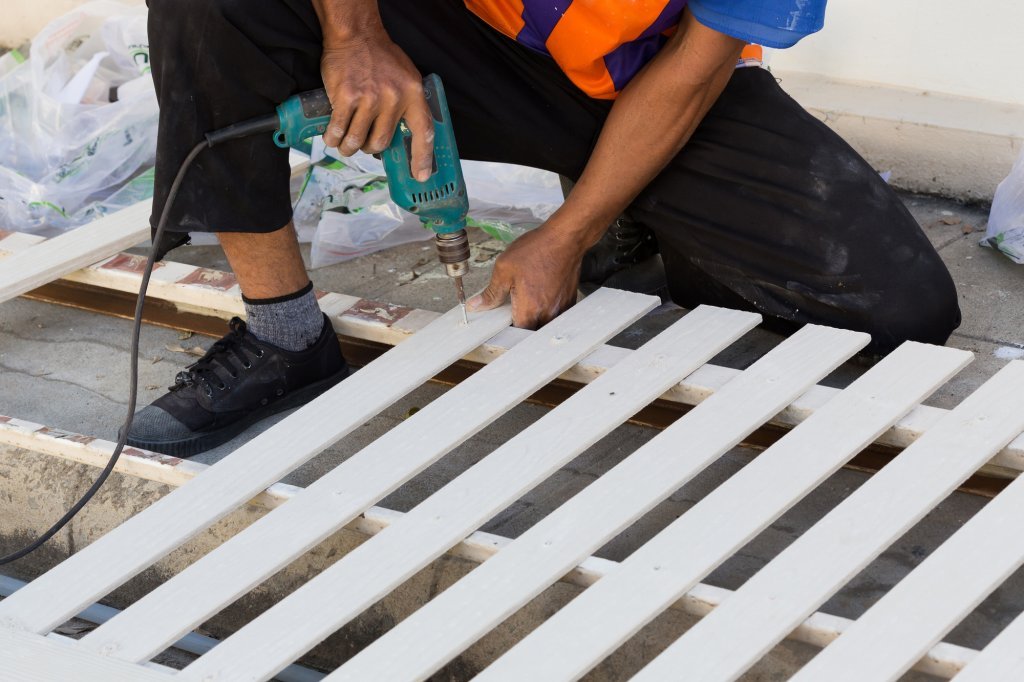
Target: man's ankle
{"x": 292, "y": 322}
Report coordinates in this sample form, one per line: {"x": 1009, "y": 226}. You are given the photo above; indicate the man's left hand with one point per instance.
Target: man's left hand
{"x": 540, "y": 272}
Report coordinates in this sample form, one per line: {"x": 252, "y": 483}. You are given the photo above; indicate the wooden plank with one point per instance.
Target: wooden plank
{"x": 148, "y": 536}
{"x": 593, "y": 625}
{"x": 28, "y": 657}
{"x": 816, "y": 565}
{"x": 231, "y": 570}
{"x": 172, "y": 283}
{"x": 922, "y": 608}
{"x": 820, "y": 629}
{"x": 72, "y": 250}
{"x": 357, "y": 580}
{"x": 442, "y": 629}
{"x": 28, "y": 265}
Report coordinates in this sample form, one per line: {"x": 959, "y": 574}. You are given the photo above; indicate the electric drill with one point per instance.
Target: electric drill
{"x": 440, "y": 203}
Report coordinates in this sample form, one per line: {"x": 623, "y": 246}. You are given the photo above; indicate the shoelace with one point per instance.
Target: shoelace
{"x": 203, "y": 372}
{"x": 630, "y": 239}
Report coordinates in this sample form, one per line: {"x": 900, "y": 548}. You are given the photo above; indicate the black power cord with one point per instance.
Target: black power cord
{"x": 133, "y": 388}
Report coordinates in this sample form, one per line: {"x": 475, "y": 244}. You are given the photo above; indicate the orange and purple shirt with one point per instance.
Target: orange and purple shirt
{"x": 602, "y": 44}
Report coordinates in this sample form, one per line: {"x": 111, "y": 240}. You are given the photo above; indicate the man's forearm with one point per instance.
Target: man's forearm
{"x": 649, "y": 123}
{"x": 343, "y": 21}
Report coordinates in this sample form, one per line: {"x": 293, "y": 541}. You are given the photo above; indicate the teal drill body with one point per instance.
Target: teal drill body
{"x": 441, "y": 202}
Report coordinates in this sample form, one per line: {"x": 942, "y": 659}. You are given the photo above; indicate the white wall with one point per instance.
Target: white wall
{"x": 971, "y": 48}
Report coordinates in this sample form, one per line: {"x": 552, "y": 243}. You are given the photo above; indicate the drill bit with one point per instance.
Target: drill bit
{"x": 460, "y": 293}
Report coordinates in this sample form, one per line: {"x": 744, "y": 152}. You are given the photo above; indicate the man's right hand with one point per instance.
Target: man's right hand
{"x": 372, "y": 84}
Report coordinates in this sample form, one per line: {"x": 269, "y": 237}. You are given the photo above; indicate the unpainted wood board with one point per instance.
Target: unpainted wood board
{"x": 597, "y": 622}
{"x": 805, "y": 574}
{"x": 151, "y": 534}
{"x": 463, "y": 613}
{"x": 28, "y": 657}
{"x": 923, "y": 607}
{"x": 219, "y": 578}
{"x": 357, "y": 580}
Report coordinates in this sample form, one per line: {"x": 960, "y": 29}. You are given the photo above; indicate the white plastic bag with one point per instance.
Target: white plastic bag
{"x": 1006, "y": 219}
{"x": 67, "y": 152}
{"x": 345, "y": 211}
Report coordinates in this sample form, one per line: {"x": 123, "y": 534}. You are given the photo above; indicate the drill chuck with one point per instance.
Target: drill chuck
{"x": 453, "y": 252}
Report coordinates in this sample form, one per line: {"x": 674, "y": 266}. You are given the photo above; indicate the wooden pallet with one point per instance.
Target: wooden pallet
{"x": 902, "y": 630}
{"x": 721, "y": 646}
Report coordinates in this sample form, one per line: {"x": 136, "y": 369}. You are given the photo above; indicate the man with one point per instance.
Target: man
{"x": 752, "y": 202}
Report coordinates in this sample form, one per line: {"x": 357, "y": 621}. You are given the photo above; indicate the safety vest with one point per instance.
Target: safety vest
{"x": 599, "y": 44}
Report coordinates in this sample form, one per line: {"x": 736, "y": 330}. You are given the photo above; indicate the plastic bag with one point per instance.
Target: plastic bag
{"x": 1006, "y": 219}
{"x": 344, "y": 209}
{"x": 78, "y": 120}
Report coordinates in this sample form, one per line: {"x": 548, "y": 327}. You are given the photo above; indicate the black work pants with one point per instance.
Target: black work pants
{"x": 765, "y": 208}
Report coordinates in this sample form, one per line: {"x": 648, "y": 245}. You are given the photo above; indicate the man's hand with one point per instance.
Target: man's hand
{"x": 372, "y": 84}
{"x": 540, "y": 271}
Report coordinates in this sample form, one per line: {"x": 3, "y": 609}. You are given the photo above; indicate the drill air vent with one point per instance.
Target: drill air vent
{"x": 443, "y": 192}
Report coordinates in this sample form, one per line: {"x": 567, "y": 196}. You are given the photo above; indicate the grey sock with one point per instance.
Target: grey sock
{"x": 292, "y": 322}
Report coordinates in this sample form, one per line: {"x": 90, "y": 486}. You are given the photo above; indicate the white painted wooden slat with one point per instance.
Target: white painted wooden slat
{"x": 816, "y": 565}
{"x": 598, "y": 621}
{"x": 341, "y": 592}
{"x": 469, "y": 609}
{"x": 72, "y": 250}
{"x": 231, "y": 570}
{"x": 1003, "y": 658}
{"x": 922, "y": 608}
{"x": 151, "y": 534}
{"x": 28, "y": 657}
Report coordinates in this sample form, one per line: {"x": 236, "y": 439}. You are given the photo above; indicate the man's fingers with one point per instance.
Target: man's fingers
{"x": 382, "y": 132}
{"x": 338, "y": 125}
{"x": 358, "y": 128}
{"x": 493, "y": 296}
{"x": 421, "y": 125}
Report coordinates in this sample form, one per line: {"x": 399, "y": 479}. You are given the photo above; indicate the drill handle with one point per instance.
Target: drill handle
{"x": 301, "y": 117}
{"x": 440, "y": 201}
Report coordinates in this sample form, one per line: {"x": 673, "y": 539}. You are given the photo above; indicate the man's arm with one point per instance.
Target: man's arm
{"x": 648, "y": 125}
{"x": 371, "y": 84}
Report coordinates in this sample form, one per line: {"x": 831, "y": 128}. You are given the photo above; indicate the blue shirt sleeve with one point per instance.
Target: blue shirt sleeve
{"x": 772, "y": 23}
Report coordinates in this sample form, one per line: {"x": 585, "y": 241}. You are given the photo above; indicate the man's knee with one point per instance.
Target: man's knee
{"x": 923, "y": 309}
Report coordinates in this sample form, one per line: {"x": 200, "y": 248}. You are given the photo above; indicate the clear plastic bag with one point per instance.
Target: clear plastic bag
{"x": 78, "y": 120}
{"x": 344, "y": 209}
{"x": 1006, "y": 219}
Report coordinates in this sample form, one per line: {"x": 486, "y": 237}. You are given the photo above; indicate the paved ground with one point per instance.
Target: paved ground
{"x": 67, "y": 369}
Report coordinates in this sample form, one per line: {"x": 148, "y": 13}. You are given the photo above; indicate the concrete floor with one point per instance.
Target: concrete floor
{"x": 67, "y": 369}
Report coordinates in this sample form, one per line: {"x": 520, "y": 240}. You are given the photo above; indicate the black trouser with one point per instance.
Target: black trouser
{"x": 764, "y": 209}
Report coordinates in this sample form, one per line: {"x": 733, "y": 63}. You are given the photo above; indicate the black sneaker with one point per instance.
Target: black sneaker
{"x": 239, "y": 381}
{"x": 625, "y": 258}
